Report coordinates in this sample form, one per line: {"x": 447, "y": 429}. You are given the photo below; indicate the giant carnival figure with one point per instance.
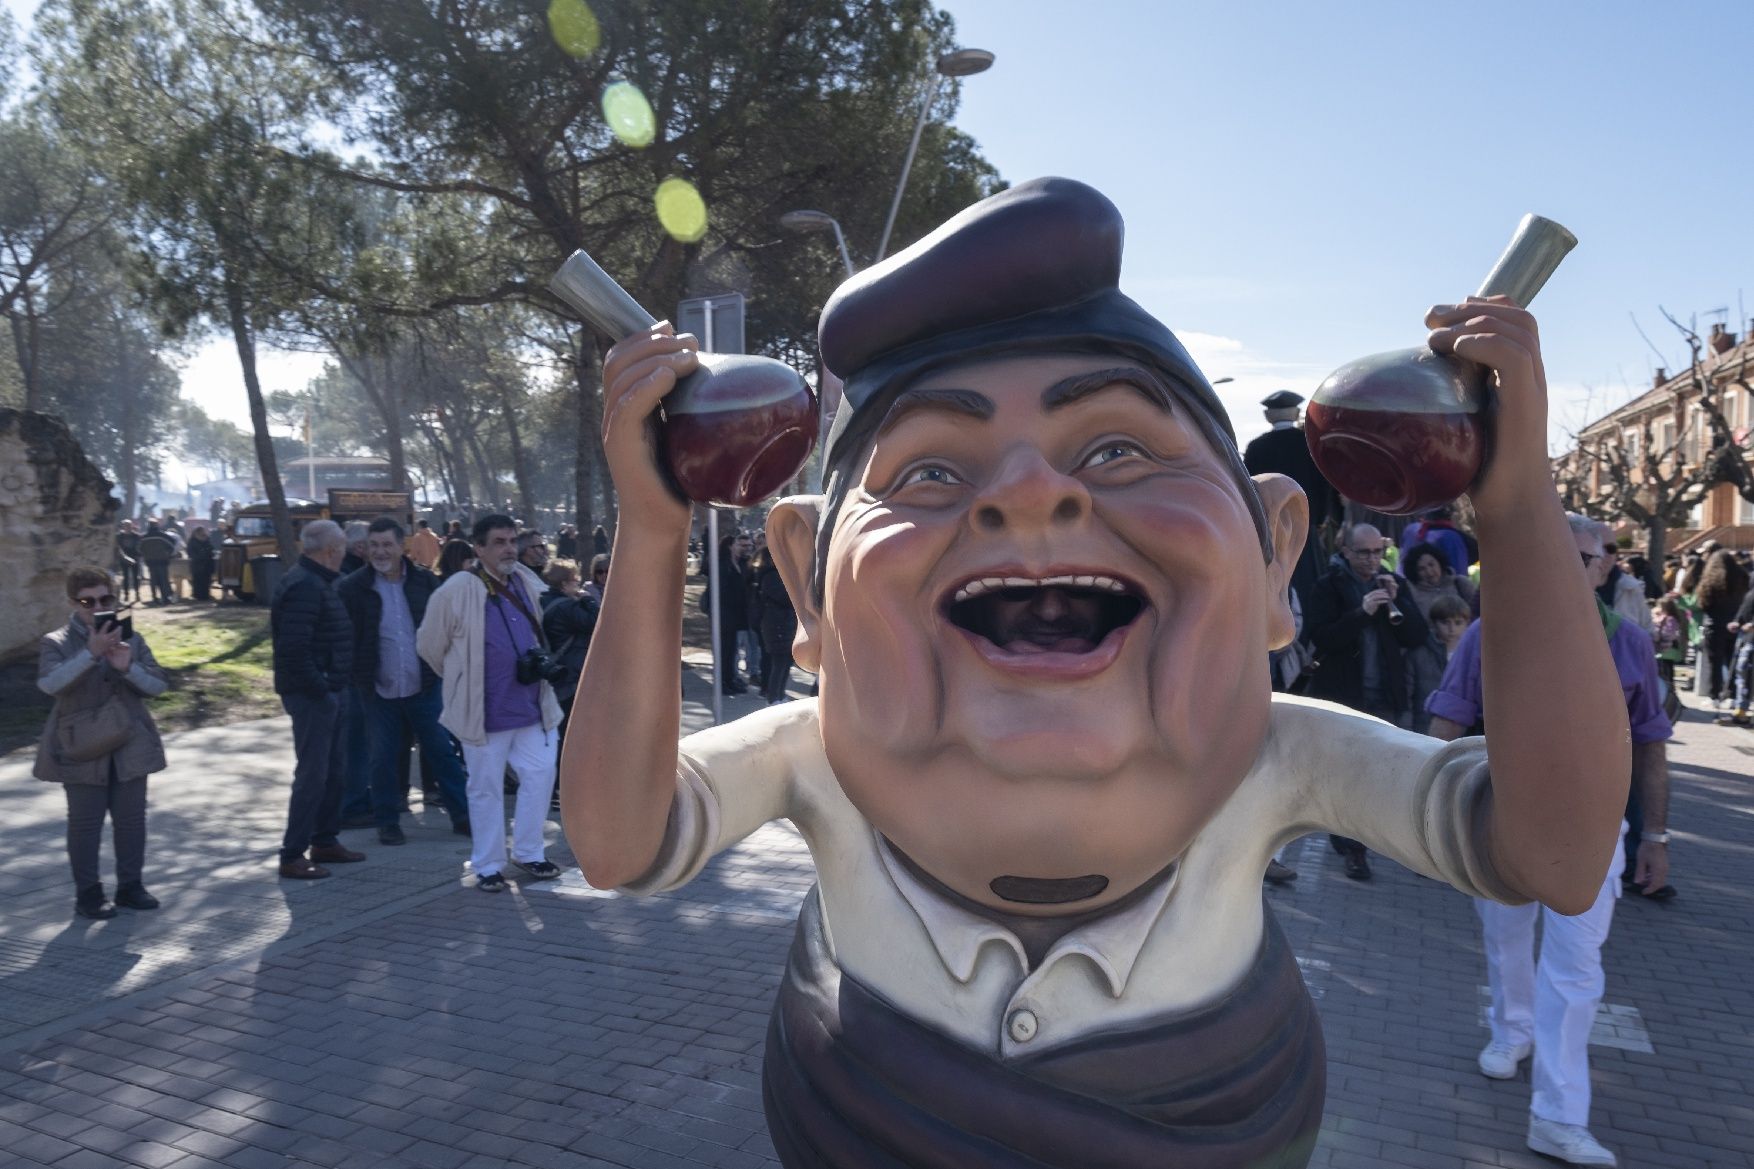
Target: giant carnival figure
{"x": 1045, "y": 771}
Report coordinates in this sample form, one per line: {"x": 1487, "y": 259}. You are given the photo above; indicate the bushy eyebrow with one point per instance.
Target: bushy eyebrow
{"x": 969, "y": 402}
{"x": 1081, "y": 385}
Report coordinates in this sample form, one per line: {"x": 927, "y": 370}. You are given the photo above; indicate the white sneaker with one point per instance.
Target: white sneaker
{"x": 1571, "y": 1143}
{"x": 1499, "y": 1060}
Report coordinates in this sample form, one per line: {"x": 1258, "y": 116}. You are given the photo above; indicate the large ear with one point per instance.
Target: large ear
{"x": 791, "y": 537}
{"x": 1287, "y": 512}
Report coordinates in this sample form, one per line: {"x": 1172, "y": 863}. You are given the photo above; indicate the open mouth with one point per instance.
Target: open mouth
{"x": 1070, "y": 614}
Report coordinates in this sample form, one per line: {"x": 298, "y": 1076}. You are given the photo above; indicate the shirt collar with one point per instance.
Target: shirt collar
{"x": 1110, "y": 943}
{"x": 1285, "y": 424}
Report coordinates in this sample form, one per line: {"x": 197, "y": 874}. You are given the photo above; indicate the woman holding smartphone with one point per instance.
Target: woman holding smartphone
{"x": 100, "y": 741}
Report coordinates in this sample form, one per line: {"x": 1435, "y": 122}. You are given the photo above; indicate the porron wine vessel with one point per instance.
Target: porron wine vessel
{"x": 1406, "y": 431}
{"x": 735, "y": 430}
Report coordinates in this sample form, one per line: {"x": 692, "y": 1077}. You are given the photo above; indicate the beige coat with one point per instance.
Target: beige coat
{"x": 451, "y": 640}
{"x": 78, "y": 681}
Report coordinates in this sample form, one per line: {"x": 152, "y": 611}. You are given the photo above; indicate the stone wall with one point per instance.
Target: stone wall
{"x": 56, "y": 512}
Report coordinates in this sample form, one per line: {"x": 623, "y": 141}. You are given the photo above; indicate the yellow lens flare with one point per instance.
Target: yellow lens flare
{"x": 681, "y": 210}
{"x": 629, "y": 114}
{"x": 574, "y": 27}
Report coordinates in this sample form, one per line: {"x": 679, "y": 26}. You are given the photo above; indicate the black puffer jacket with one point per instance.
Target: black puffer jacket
{"x": 365, "y": 609}
{"x": 313, "y": 639}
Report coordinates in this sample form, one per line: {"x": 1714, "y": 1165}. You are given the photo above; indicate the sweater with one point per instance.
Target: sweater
{"x": 451, "y": 640}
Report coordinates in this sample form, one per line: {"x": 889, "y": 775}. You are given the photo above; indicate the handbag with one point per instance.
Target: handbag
{"x": 92, "y": 733}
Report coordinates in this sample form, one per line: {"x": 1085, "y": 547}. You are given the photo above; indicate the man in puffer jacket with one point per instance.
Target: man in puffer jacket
{"x": 313, "y": 662}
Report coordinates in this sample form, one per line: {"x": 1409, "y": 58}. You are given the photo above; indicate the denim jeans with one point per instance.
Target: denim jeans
{"x": 356, "y": 757}
{"x": 389, "y": 723}
{"x": 313, "y": 814}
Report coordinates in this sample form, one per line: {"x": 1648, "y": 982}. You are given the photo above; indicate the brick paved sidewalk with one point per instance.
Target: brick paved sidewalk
{"x": 393, "y": 1016}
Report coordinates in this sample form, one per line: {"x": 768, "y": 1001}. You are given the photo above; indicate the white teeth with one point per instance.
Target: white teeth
{"x": 975, "y": 588}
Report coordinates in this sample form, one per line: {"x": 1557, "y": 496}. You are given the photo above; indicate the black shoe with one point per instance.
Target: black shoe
{"x": 461, "y": 828}
{"x": 1357, "y": 867}
{"x": 133, "y": 895}
{"x": 543, "y": 870}
{"x": 92, "y": 903}
{"x": 491, "y": 883}
{"x": 1279, "y": 874}
{"x": 392, "y": 834}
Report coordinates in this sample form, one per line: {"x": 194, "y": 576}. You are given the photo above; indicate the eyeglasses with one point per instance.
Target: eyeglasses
{"x": 1371, "y": 553}
{"x": 105, "y": 601}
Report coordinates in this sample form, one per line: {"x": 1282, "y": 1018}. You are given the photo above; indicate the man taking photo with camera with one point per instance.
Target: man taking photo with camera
{"x": 483, "y": 636}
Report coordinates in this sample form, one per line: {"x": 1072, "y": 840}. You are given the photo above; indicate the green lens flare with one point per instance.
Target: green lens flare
{"x": 574, "y": 27}
{"x": 681, "y": 210}
{"x": 629, "y": 114}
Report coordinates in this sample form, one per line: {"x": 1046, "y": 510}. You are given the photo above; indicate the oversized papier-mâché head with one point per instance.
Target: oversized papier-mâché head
{"x": 1041, "y": 588}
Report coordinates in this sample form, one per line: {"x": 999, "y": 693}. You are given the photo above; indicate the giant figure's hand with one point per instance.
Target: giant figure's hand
{"x": 637, "y": 374}
{"x": 1497, "y": 334}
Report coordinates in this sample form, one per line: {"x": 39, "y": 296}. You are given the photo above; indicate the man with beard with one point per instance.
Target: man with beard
{"x": 1046, "y": 769}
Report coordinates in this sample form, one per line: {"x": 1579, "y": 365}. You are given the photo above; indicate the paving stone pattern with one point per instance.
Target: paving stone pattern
{"x": 393, "y": 1016}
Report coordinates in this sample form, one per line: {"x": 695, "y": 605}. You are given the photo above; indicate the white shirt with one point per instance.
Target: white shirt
{"x": 1187, "y": 943}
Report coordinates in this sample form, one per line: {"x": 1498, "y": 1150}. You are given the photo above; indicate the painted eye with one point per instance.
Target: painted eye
{"x": 931, "y": 473}
{"x": 1112, "y": 452}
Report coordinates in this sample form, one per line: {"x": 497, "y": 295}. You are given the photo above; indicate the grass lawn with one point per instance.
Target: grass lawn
{"x": 218, "y": 658}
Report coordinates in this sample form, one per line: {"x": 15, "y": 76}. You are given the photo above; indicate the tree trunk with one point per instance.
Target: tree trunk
{"x": 489, "y": 482}
{"x": 520, "y": 467}
{"x": 589, "y": 437}
{"x": 266, "y": 463}
{"x": 1657, "y": 533}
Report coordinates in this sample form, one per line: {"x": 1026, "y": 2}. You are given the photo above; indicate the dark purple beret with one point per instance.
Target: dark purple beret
{"x": 1034, "y": 267}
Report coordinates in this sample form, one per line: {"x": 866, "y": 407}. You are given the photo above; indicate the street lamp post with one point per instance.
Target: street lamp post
{"x": 820, "y": 221}
{"x": 956, "y": 63}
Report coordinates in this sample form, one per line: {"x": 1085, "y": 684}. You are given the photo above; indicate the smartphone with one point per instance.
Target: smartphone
{"x": 109, "y": 618}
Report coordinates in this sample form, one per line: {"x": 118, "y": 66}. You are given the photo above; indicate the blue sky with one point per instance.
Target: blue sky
{"x": 1300, "y": 181}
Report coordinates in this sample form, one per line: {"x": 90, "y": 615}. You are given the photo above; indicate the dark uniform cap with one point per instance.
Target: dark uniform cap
{"x": 1035, "y": 268}
{"x": 1281, "y": 400}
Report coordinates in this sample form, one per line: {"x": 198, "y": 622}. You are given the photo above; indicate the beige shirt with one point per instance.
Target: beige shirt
{"x": 1415, "y": 799}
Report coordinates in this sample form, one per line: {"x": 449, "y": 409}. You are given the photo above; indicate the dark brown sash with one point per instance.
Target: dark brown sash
{"x": 849, "y": 1082}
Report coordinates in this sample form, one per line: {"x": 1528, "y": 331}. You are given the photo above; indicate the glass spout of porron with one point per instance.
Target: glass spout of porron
{"x": 1406, "y": 431}
{"x": 735, "y": 430}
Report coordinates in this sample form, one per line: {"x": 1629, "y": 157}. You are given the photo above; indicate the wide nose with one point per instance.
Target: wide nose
{"x": 1028, "y": 494}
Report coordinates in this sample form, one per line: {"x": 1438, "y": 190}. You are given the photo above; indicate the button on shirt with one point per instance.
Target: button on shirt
{"x": 1181, "y": 946}
{"x": 398, "y": 664}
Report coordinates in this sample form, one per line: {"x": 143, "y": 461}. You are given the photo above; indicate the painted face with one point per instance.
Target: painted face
{"x": 1045, "y": 616}
{"x": 384, "y": 552}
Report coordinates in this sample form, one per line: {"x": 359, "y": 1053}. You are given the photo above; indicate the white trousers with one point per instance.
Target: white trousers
{"x": 531, "y": 753}
{"x": 1550, "y": 1003}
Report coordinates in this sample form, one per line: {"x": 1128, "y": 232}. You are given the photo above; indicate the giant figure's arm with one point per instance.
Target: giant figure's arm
{"x": 1559, "y": 744}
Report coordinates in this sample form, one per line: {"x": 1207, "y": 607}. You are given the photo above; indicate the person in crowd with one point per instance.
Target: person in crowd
{"x": 1284, "y": 451}
{"x": 483, "y": 637}
{"x": 128, "y": 560}
{"x": 566, "y": 543}
{"x": 457, "y": 556}
{"x": 357, "y": 530}
{"x": 1449, "y": 617}
{"x": 172, "y": 526}
{"x": 593, "y": 588}
{"x": 313, "y": 662}
{"x": 1547, "y": 1006}
{"x": 569, "y": 617}
{"x": 1722, "y": 585}
{"x": 779, "y": 623}
{"x": 398, "y": 693}
{"x": 1621, "y": 591}
{"x": 1669, "y": 636}
{"x": 533, "y": 551}
{"x": 749, "y": 641}
{"x": 1438, "y": 527}
{"x": 454, "y": 531}
{"x": 599, "y": 541}
{"x": 100, "y": 742}
{"x": 1359, "y": 621}
{"x": 1640, "y": 569}
{"x": 732, "y": 602}
{"x": 1429, "y": 577}
{"x": 201, "y": 558}
{"x": 157, "y": 550}
{"x": 423, "y": 546}
{"x": 1741, "y": 665}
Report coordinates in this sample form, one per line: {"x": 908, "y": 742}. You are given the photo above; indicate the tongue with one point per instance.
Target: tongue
{"x": 1063, "y": 645}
